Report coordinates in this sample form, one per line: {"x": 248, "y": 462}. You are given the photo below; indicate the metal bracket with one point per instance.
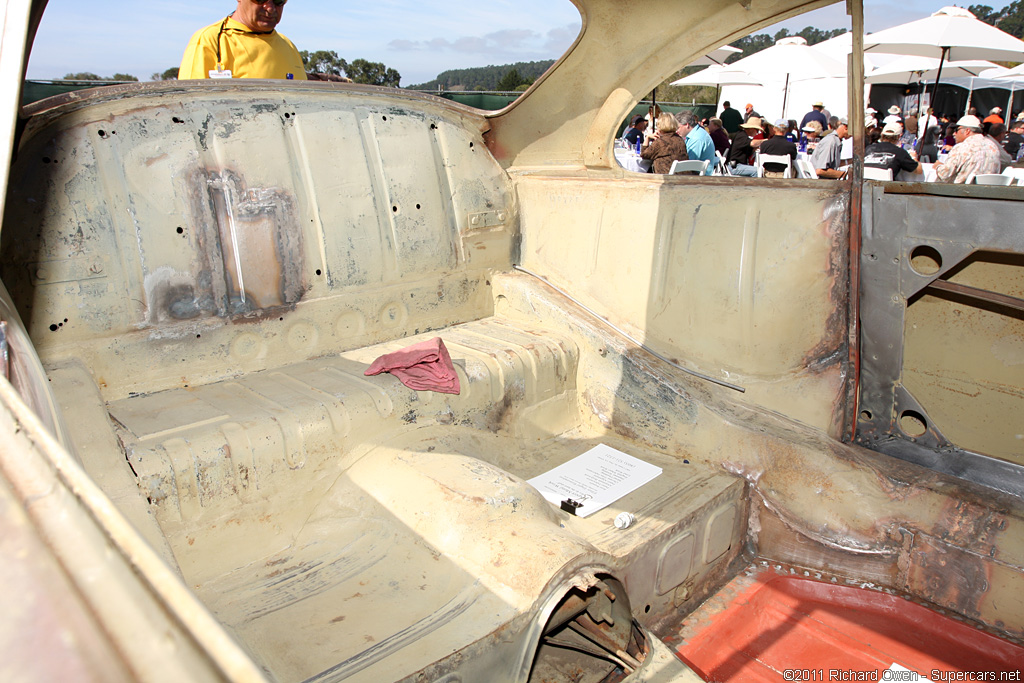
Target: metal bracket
{"x": 487, "y": 219}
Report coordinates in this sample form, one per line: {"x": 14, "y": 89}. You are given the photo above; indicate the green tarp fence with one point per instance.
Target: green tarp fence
{"x": 492, "y": 101}
{"x": 489, "y": 101}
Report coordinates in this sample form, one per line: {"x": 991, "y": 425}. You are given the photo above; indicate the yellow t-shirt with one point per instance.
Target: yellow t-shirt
{"x": 242, "y": 52}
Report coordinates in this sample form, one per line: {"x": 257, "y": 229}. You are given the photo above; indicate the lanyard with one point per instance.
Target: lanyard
{"x": 224, "y": 27}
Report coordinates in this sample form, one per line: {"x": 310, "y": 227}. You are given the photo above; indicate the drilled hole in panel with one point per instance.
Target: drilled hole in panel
{"x": 925, "y": 260}
{"x": 912, "y": 423}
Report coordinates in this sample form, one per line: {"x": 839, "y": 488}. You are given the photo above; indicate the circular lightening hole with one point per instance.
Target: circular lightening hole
{"x": 925, "y": 260}
{"x": 912, "y": 423}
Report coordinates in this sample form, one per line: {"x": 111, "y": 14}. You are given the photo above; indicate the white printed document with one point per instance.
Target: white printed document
{"x": 594, "y": 480}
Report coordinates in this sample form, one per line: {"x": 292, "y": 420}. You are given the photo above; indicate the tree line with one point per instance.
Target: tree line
{"x": 359, "y": 70}
{"x": 503, "y": 77}
{"x": 320, "y": 61}
{"x": 1009, "y": 19}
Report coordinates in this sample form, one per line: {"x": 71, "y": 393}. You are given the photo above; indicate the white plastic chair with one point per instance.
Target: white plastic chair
{"x": 805, "y": 169}
{"x": 992, "y": 179}
{"x": 781, "y": 159}
{"x": 689, "y": 166}
{"x": 872, "y": 173}
{"x": 721, "y": 166}
{"x": 1015, "y": 174}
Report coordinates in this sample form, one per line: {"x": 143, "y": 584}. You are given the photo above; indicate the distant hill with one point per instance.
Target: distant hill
{"x": 487, "y": 77}
{"x": 482, "y": 77}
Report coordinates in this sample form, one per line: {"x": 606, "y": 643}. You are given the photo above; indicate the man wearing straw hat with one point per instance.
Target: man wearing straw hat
{"x": 815, "y": 114}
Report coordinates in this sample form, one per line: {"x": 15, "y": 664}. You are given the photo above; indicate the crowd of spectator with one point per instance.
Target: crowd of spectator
{"x": 900, "y": 142}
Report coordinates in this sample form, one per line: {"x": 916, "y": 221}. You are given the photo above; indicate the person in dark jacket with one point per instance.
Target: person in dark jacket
{"x": 718, "y": 135}
{"x": 815, "y": 114}
{"x": 636, "y": 130}
{"x": 1014, "y": 138}
{"x": 886, "y": 153}
{"x": 778, "y": 145}
{"x": 731, "y": 118}
{"x": 741, "y": 153}
{"x": 665, "y": 146}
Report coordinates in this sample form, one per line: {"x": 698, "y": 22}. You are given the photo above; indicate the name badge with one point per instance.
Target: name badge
{"x": 220, "y": 73}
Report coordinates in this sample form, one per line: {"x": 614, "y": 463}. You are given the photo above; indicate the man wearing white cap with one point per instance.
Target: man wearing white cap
{"x": 811, "y": 134}
{"x": 973, "y": 154}
{"x": 886, "y": 153}
{"x": 994, "y": 116}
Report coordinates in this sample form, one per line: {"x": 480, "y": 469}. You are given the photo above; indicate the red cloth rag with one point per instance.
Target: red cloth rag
{"x": 424, "y": 367}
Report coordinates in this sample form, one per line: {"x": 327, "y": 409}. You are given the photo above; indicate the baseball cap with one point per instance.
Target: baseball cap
{"x": 781, "y": 123}
{"x": 843, "y": 121}
{"x": 892, "y": 129}
{"x": 969, "y": 122}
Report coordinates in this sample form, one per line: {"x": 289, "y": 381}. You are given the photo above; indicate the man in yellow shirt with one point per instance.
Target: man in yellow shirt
{"x": 243, "y": 45}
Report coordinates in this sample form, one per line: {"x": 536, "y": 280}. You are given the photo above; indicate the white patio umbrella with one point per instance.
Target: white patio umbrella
{"x": 913, "y": 68}
{"x": 1016, "y": 73}
{"x": 719, "y": 75}
{"x": 716, "y": 57}
{"x": 790, "y": 59}
{"x": 952, "y": 35}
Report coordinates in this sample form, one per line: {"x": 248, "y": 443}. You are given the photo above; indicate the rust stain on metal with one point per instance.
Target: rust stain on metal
{"x": 946, "y": 575}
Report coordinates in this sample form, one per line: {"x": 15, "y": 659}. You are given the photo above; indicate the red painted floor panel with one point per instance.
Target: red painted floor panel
{"x": 766, "y": 626}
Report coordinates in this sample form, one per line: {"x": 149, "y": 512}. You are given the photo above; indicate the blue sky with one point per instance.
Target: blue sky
{"x": 142, "y": 37}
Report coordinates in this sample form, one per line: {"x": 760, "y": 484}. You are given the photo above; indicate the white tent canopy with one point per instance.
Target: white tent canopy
{"x": 951, "y": 34}
{"x": 782, "y": 80}
{"x": 912, "y": 68}
{"x": 948, "y": 36}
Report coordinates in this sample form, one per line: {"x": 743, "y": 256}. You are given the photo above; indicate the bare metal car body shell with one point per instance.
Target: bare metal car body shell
{"x": 203, "y": 484}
